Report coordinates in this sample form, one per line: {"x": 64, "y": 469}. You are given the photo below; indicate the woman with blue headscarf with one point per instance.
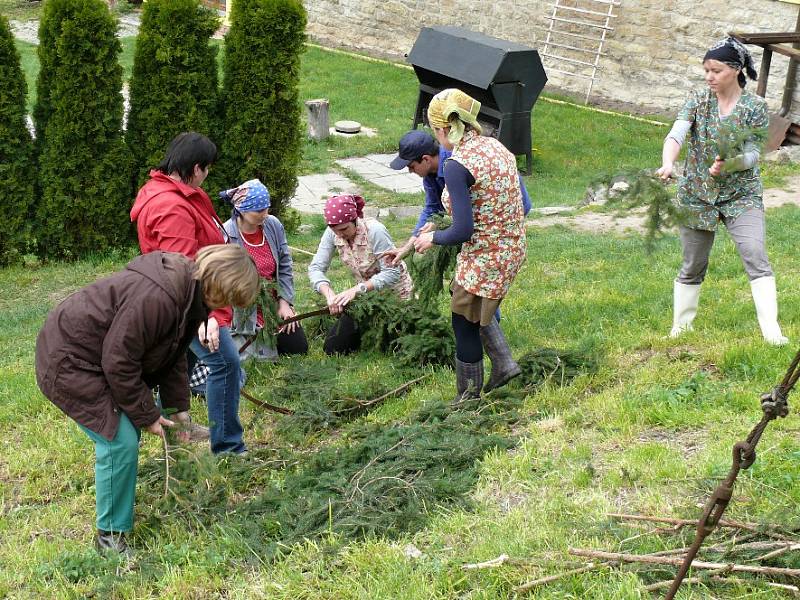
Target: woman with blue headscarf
{"x": 263, "y": 236}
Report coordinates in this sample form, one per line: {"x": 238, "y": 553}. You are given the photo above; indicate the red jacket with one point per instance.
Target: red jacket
{"x": 173, "y": 217}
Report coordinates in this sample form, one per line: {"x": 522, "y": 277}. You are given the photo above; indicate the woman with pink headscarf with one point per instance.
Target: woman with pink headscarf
{"x": 360, "y": 243}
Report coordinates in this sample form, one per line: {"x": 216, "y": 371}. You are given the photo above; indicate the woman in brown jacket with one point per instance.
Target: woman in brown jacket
{"x": 103, "y": 349}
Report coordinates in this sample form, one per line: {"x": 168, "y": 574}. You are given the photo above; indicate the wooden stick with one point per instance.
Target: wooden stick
{"x": 665, "y": 584}
{"x": 495, "y": 562}
{"x": 665, "y": 560}
{"x": 267, "y": 405}
{"x": 792, "y": 589}
{"x": 544, "y": 580}
{"x": 301, "y": 251}
{"x": 679, "y": 523}
{"x": 166, "y": 462}
{"x": 383, "y": 397}
{"x": 301, "y": 316}
{"x": 683, "y": 522}
{"x": 777, "y": 552}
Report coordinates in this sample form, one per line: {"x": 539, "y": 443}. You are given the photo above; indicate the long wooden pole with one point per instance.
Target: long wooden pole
{"x": 697, "y": 564}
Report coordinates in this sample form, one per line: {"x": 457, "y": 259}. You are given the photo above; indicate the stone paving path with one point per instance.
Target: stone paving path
{"x": 375, "y": 169}
{"x": 313, "y": 190}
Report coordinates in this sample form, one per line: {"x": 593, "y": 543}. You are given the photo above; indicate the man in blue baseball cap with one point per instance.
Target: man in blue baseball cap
{"x": 421, "y": 154}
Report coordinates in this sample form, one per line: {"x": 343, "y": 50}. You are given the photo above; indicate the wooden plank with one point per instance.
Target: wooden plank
{"x": 781, "y": 37}
{"x": 766, "y": 59}
{"x": 792, "y": 53}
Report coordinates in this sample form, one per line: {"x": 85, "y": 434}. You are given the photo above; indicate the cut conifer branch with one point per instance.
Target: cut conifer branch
{"x": 645, "y": 190}
{"x": 677, "y": 562}
{"x": 526, "y": 587}
{"x": 260, "y": 403}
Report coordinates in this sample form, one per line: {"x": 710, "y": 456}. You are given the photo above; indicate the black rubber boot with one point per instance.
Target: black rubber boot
{"x": 504, "y": 367}
{"x": 109, "y": 542}
{"x": 469, "y": 380}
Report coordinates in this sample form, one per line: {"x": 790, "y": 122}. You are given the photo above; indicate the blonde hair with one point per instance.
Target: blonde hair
{"x": 228, "y": 275}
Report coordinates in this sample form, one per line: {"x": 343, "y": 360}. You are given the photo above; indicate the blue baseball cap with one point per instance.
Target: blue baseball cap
{"x": 413, "y": 146}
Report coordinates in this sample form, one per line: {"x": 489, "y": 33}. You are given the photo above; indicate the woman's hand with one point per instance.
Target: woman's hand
{"x": 423, "y": 242}
{"x": 665, "y": 172}
{"x": 157, "y": 429}
{"x": 184, "y": 421}
{"x": 395, "y": 255}
{"x": 427, "y": 228}
{"x": 285, "y": 311}
{"x": 717, "y": 167}
{"x": 209, "y": 338}
{"x": 330, "y": 299}
{"x": 343, "y": 299}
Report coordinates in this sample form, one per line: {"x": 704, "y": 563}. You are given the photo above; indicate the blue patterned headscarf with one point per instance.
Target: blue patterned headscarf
{"x": 733, "y": 53}
{"x": 251, "y": 196}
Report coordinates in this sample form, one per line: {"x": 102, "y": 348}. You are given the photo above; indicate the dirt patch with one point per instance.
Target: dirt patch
{"x": 596, "y": 222}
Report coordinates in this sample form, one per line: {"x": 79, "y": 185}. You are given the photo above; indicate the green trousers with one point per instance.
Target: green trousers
{"x": 115, "y": 469}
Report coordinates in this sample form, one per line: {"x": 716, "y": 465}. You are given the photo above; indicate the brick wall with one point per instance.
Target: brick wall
{"x": 653, "y": 54}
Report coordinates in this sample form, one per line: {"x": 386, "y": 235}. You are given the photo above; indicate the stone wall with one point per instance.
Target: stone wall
{"x": 653, "y": 53}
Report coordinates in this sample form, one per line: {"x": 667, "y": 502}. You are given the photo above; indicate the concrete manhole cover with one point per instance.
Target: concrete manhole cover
{"x": 347, "y": 126}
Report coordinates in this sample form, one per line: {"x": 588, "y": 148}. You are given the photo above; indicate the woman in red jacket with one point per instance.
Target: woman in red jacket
{"x": 173, "y": 214}
{"x": 103, "y": 349}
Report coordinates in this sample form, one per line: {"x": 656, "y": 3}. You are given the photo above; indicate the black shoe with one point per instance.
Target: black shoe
{"x": 108, "y": 542}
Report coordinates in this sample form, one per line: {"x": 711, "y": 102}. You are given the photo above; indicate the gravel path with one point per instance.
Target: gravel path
{"x": 28, "y": 31}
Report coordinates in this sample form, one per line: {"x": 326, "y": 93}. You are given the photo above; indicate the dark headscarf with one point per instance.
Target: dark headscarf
{"x": 733, "y": 53}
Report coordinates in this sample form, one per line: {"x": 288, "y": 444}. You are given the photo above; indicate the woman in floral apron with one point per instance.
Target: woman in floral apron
{"x": 714, "y": 190}
{"x": 360, "y": 244}
{"x": 484, "y": 198}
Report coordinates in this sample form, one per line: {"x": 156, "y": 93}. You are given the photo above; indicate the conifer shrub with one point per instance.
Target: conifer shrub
{"x": 174, "y": 84}
{"x": 16, "y": 152}
{"x": 261, "y": 99}
{"x": 84, "y": 166}
{"x": 53, "y": 15}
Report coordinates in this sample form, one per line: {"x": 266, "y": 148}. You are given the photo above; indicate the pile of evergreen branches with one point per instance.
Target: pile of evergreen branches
{"x": 385, "y": 480}
{"x": 310, "y": 389}
{"x": 414, "y": 331}
{"x": 547, "y": 365}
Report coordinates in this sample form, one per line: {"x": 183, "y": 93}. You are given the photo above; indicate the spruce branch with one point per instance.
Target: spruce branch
{"x": 645, "y": 190}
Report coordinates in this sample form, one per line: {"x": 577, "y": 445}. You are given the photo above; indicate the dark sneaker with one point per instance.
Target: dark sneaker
{"x": 108, "y": 542}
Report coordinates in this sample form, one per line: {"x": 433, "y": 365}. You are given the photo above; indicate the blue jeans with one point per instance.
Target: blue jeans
{"x": 222, "y": 393}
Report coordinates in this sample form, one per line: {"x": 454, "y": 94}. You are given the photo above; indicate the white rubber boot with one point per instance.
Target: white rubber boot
{"x": 765, "y": 297}
{"x": 685, "y": 300}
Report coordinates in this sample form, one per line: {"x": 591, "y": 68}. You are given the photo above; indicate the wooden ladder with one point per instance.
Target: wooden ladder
{"x": 575, "y": 29}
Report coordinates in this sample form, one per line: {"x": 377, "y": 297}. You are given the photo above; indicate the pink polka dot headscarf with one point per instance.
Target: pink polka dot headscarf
{"x": 343, "y": 209}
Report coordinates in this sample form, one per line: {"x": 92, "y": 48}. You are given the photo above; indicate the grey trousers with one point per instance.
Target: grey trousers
{"x": 748, "y": 232}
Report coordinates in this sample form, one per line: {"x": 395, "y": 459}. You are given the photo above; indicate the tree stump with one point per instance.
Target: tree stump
{"x": 318, "y": 123}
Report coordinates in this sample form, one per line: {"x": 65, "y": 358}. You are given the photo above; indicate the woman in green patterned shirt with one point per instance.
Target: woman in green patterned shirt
{"x": 722, "y": 186}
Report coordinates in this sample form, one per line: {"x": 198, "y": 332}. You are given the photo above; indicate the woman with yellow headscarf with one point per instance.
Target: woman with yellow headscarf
{"x": 483, "y": 196}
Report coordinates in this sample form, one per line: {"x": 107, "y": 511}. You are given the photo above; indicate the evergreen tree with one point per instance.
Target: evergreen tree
{"x": 84, "y": 166}
{"x": 260, "y": 97}
{"x": 16, "y": 167}
{"x": 174, "y": 82}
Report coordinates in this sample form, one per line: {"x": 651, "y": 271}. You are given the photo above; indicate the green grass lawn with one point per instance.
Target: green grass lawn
{"x": 20, "y": 10}
{"x": 650, "y": 433}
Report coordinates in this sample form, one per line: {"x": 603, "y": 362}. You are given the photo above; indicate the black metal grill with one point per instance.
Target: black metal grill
{"x": 505, "y": 77}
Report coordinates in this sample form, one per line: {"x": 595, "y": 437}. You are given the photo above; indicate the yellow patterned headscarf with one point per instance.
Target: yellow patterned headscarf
{"x": 453, "y": 108}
